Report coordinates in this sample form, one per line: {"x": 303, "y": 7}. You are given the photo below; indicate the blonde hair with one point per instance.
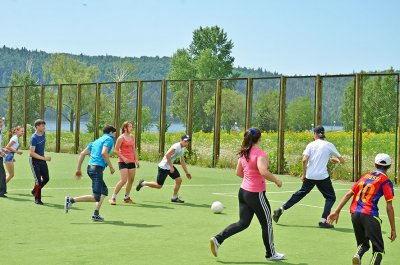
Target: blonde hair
{"x": 16, "y": 128}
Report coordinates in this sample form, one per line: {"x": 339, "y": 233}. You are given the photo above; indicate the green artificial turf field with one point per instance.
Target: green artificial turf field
{"x": 156, "y": 231}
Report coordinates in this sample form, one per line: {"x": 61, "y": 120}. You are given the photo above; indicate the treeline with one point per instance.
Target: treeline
{"x": 146, "y": 68}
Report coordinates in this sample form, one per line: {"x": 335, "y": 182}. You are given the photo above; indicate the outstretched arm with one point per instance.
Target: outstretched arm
{"x": 390, "y": 213}
{"x": 335, "y": 215}
{"x": 262, "y": 165}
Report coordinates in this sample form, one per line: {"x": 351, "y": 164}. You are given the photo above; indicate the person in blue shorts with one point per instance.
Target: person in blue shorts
{"x": 99, "y": 151}
{"x": 38, "y": 161}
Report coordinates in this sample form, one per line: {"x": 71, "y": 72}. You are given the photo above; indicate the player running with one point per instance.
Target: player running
{"x": 12, "y": 148}
{"x": 166, "y": 168}
{"x": 364, "y": 210}
{"x": 125, "y": 149}
{"x": 252, "y": 166}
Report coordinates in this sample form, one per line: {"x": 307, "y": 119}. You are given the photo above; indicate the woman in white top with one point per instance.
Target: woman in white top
{"x": 12, "y": 148}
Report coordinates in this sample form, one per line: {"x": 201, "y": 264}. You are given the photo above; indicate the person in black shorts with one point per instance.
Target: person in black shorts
{"x": 166, "y": 168}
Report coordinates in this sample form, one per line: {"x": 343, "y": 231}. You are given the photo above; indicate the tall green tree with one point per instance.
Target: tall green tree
{"x": 33, "y": 96}
{"x": 231, "y": 109}
{"x": 299, "y": 114}
{"x": 208, "y": 57}
{"x": 379, "y": 99}
{"x": 63, "y": 69}
{"x": 266, "y": 105}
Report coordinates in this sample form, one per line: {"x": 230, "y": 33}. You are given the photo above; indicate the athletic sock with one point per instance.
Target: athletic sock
{"x": 126, "y": 196}
{"x": 282, "y": 209}
{"x": 96, "y": 212}
{"x": 174, "y": 196}
{"x": 323, "y": 220}
{"x": 114, "y": 196}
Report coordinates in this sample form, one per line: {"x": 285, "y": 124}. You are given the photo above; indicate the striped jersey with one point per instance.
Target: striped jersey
{"x": 368, "y": 190}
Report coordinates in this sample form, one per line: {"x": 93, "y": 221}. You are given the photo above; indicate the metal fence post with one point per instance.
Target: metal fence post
{"x": 318, "y": 100}
{"x": 163, "y": 110}
{"x": 358, "y": 99}
{"x": 10, "y": 111}
{"x": 59, "y": 113}
{"x": 249, "y": 102}
{"x": 97, "y": 112}
{"x": 189, "y": 121}
{"x": 397, "y": 171}
{"x": 217, "y": 124}
{"x": 139, "y": 115}
{"x": 281, "y": 127}
{"x": 77, "y": 117}
{"x": 117, "y": 107}
{"x": 25, "y": 113}
{"x": 41, "y": 112}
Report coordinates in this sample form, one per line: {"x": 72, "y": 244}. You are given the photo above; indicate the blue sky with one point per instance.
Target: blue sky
{"x": 290, "y": 37}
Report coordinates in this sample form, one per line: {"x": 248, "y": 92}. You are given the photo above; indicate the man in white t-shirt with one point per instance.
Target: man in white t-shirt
{"x": 315, "y": 160}
{"x": 166, "y": 168}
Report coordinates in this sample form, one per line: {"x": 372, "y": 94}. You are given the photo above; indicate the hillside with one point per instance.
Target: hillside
{"x": 148, "y": 68}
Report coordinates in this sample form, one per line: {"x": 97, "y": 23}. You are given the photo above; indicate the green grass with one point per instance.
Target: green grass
{"x": 155, "y": 231}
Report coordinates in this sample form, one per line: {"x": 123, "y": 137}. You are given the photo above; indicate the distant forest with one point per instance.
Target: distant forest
{"x": 147, "y": 68}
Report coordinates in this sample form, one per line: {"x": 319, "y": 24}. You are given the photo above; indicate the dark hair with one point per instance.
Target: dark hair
{"x": 109, "y": 128}
{"x": 39, "y": 122}
{"x": 125, "y": 125}
{"x": 384, "y": 168}
{"x": 250, "y": 137}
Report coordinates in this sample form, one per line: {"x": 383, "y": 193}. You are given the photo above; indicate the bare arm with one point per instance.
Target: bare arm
{"x": 239, "y": 169}
{"x": 106, "y": 157}
{"x": 304, "y": 163}
{"x": 168, "y": 155}
{"x": 82, "y": 155}
{"x": 116, "y": 149}
{"x": 337, "y": 160}
{"x": 9, "y": 148}
{"x": 183, "y": 164}
{"x": 335, "y": 215}
{"x": 33, "y": 154}
{"x": 390, "y": 213}
{"x": 262, "y": 165}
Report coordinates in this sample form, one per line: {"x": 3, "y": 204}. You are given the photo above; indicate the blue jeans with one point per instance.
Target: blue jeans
{"x": 98, "y": 186}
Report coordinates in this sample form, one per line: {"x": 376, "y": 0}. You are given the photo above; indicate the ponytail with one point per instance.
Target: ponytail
{"x": 250, "y": 137}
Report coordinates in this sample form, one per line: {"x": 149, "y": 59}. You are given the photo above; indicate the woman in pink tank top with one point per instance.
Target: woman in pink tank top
{"x": 252, "y": 166}
{"x": 125, "y": 149}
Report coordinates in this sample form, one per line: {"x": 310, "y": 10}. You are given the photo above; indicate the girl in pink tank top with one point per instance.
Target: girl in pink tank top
{"x": 125, "y": 149}
{"x": 252, "y": 166}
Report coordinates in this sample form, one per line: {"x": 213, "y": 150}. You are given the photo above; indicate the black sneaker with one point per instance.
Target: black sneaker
{"x": 97, "y": 218}
{"x": 33, "y": 192}
{"x": 325, "y": 225}
{"x": 277, "y": 214}
{"x": 139, "y": 185}
{"x": 177, "y": 200}
{"x": 39, "y": 202}
{"x": 3, "y": 196}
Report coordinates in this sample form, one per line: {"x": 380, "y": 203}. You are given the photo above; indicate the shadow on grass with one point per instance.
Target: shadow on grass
{"x": 342, "y": 230}
{"x": 187, "y": 204}
{"x": 261, "y": 262}
{"x": 120, "y": 223}
{"x": 32, "y": 200}
{"x": 30, "y": 195}
{"x": 144, "y": 205}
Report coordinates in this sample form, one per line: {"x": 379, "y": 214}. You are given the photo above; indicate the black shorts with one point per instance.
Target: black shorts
{"x": 123, "y": 165}
{"x": 163, "y": 173}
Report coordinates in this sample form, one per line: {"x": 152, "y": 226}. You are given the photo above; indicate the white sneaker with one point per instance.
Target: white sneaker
{"x": 356, "y": 260}
{"x": 214, "y": 246}
{"x": 277, "y": 256}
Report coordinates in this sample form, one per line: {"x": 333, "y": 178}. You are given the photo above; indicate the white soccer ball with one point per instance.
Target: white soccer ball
{"x": 217, "y": 207}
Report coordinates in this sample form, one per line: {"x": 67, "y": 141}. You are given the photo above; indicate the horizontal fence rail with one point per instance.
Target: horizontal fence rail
{"x": 354, "y": 107}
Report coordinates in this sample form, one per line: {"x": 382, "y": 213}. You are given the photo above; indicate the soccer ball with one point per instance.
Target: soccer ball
{"x": 217, "y": 207}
